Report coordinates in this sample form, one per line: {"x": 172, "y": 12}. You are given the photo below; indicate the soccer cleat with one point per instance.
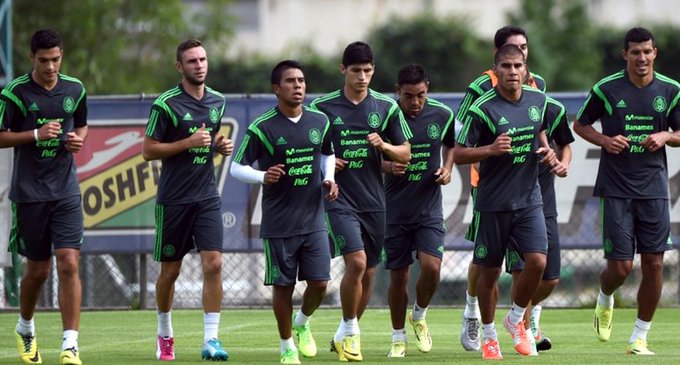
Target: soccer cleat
{"x": 350, "y": 348}
{"x": 290, "y": 356}
{"x": 28, "y": 349}
{"x": 469, "y": 334}
{"x": 639, "y": 347}
{"x": 306, "y": 342}
{"x": 165, "y": 348}
{"x": 398, "y": 349}
{"x": 491, "y": 350}
{"x": 602, "y": 321}
{"x": 70, "y": 356}
{"x": 519, "y": 336}
{"x": 423, "y": 336}
{"x": 532, "y": 342}
{"x": 212, "y": 350}
{"x": 337, "y": 348}
{"x": 543, "y": 344}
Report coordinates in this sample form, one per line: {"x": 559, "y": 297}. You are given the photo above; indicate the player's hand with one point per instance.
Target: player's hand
{"x": 73, "y": 142}
{"x": 200, "y": 138}
{"x": 397, "y": 168}
{"x": 375, "y": 141}
{"x": 502, "y": 145}
{"x": 443, "y": 176}
{"x": 340, "y": 164}
{"x": 224, "y": 145}
{"x": 560, "y": 169}
{"x": 548, "y": 156}
{"x": 273, "y": 174}
{"x": 655, "y": 141}
{"x": 333, "y": 191}
{"x": 616, "y": 144}
{"x": 50, "y": 130}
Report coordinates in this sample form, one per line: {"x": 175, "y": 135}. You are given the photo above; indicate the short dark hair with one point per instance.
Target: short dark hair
{"x": 507, "y": 50}
{"x": 282, "y": 66}
{"x": 357, "y": 53}
{"x": 637, "y": 35}
{"x": 502, "y": 35}
{"x": 188, "y": 44}
{"x": 45, "y": 39}
{"x": 412, "y": 74}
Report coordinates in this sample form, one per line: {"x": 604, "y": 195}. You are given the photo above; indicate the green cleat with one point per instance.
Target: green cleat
{"x": 28, "y": 349}
{"x": 290, "y": 356}
{"x": 639, "y": 347}
{"x": 306, "y": 343}
{"x": 423, "y": 337}
{"x": 602, "y": 322}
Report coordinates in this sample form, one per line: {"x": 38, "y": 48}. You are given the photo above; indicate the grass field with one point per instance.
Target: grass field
{"x": 250, "y": 336}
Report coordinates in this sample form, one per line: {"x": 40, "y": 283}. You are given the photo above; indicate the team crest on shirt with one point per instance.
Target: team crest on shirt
{"x": 69, "y": 104}
{"x": 659, "y": 104}
{"x": 534, "y": 113}
{"x": 433, "y": 131}
{"x": 214, "y": 115}
{"x": 315, "y": 136}
{"x": 374, "y": 120}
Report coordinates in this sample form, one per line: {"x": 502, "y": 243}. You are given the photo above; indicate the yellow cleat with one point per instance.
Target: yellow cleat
{"x": 602, "y": 322}
{"x": 70, "y": 357}
{"x": 423, "y": 336}
{"x": 28, "y": 349}
{"x": 398, "y": 349}
{"x": 639, "y": 347}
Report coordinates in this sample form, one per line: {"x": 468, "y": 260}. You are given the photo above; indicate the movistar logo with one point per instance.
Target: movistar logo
{"x": 621, "y": 104}
{"x": 630, "y": 117}
{"x": 33, "y": 108}
{"x": 187, "y": 116}
{"x": 503, "y": 121}
{"x": 338, "y": 121}
{"x": 281, "y": 141}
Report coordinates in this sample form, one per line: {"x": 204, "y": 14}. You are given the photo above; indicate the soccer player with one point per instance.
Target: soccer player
{"x": 636, "y": 108}
{"x": 291, "y": 145}
{"x": 183, "y": 132}
{"x": 502, "y": 131}
{"x": 43, "y": 115}
{"x": 415, "y": 221}
{"x": 362, "y": 123}
{"x": 506, "y": 35}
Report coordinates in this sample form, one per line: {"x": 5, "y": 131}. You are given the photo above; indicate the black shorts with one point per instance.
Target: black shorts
{"x": 403, "y": 239}
{"x": 36, "y": 227}
{"x": 525, "y": 227}
{"x": 305, "y": 256}
{"x": 634, "y": 224}
{"x": 514, "y": 262}
{"x": 180, "y": 228}
{"x": 350, "y": 232}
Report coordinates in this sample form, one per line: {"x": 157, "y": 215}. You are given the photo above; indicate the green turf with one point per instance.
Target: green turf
{"x": 250, "y": 336}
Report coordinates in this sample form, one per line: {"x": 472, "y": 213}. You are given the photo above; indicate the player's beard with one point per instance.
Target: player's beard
{"x": 194, "y": 80}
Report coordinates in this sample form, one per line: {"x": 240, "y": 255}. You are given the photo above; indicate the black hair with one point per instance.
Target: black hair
{"x": 357, "y": 53}
{"x": 45, "y": 39}
{"x": 283, "y": 66}
{"x": 637, "y": 35}
{"x": 412, "y": 74}
{"x": 502, "y": 35}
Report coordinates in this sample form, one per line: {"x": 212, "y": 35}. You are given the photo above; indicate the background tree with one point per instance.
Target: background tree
{"x": 444, "y": 45}
{"x": 120, "y": 46}
{"x": 562, "y": 42}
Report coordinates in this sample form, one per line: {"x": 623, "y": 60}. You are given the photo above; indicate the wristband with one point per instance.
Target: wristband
{"x": 35, "y": 134}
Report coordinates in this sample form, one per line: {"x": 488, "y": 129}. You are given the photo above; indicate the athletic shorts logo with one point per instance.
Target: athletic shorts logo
{"x": 340, "y": 241}
{"x": 481, "y": 252}
{"x": 214, "y": 115}
{"x": 433, "y": 131}
{"x": 315, "y": 136}
{"x": 607, "y": 246}
{"x": 659, "y": 104}
{"x": 69, "y": 104}
{"x": 168, "y": 250}
{"x": 513, "y": 258}
{"x": 534, "y": 113}
{"x": 276, "y": 272}
{"x": 374, "y": 120}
